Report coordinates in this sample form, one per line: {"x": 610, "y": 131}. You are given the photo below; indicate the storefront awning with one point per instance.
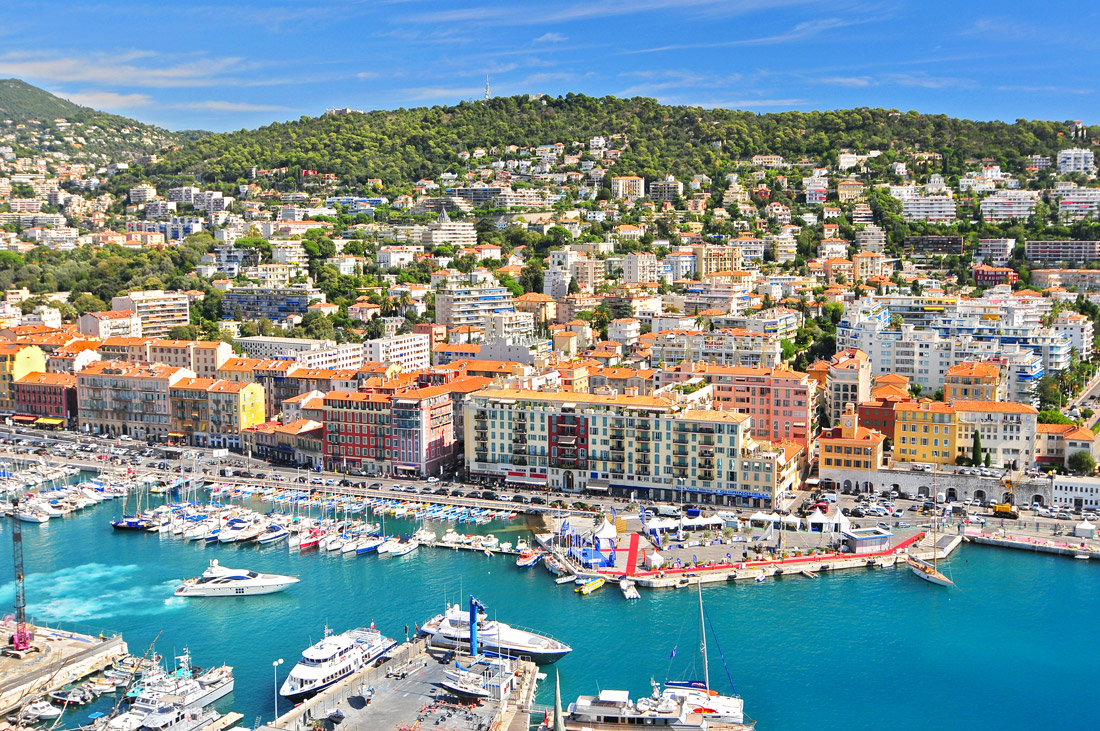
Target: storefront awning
{"x": 176, "y": 434}
{"x": 50, "y": 421}
{"x": 24, "y": 418}
{"x": 541, "y": 481}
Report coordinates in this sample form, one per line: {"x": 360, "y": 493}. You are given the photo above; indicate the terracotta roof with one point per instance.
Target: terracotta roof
{"x": 47, "y": 379}
{"x": 999, "y": 407}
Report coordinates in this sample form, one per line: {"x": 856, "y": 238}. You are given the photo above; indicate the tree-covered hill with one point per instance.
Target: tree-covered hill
{"x": 407, "y": 144}
{"x": 31, "y": 115}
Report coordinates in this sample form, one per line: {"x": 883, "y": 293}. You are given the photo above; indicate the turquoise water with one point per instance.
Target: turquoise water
{"x": 1012, "y": 646}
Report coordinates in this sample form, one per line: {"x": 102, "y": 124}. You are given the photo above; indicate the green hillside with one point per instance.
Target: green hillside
{"x": 31, "y": 115}
{"x": 406, "y": 144}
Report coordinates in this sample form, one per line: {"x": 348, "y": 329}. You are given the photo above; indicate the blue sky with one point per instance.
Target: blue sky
{"x": 243, "y": 64}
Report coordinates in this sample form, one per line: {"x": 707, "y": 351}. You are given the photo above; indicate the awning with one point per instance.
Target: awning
{"x": 24, "y": 418}
{"x": 50, "y": 421}
{"x": 527, "y": 480}
{"x": 176, "y": 434}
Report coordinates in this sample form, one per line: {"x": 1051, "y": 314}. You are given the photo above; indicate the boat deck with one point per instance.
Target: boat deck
{"x": 406, "y": 694}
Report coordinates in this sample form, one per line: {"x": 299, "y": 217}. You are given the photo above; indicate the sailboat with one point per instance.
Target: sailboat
{"x": 698, "y": 695}
{"x": 930, "y": 572}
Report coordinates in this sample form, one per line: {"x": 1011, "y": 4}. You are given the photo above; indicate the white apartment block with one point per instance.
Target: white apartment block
{"x": 1075, "y": 203}
{"x": 397, "y": 257}
{"x": 413, "y": 352}
{"x": 142, "y": 193}
{"x": 628, "y": 186}
{"x": 625, "y": 330}
{"x": 1058, "y": 251}
{"x": 995, "y": 251}
{"x": 159, "y": 311}
{"x": 471, "y": 306}
{"x": 871, "y": 238}
{"x": 1009, "y": 205}
{"x": 720, "y": 347}
{"x": 110, "y": 324}
{"x": 1078, "y": 329}
{"x": 185, "y": 194}
{"x": 509, "y": 327}
{"x": 640, "y": 267}
{"x": 307, "y": 353}
{"x": 929, "y": 208}
{"x": 459, "y": 234}
{"x": 1076, "y": 160}
{"x": 668, "y": 189}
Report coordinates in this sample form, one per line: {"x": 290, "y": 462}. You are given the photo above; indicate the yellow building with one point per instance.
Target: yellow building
{"x": 213, "y": 412}
{"x": 926, "y": 432}
{"x": 850, "y": 454}
{"x": 16, "y": 361}
{"x": 975, "y": 382}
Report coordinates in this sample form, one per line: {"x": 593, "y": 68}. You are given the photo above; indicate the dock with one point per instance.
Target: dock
{"x": 1035, "y": 545}
{"x": 403, "y": 693}
{"x": 65, "y": 658}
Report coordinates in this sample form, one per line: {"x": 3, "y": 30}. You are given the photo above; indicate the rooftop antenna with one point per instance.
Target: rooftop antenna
{"x": 487, "y": 94}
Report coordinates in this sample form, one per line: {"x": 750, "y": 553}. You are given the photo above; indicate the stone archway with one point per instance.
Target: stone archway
{"x": 847, "y": 486}
{"x": 1007, "y": 497}
{"x": 1037, "y": 500}
{"x": 952, "y": 494}
{"x": 923, "y": 491}
{"x": 979, "y": 495}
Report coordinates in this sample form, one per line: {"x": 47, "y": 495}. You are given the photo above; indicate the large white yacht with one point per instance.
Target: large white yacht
{"x": 180, "y": 689}
{"x": 333, "y": 658}
{"x": 452, "y": 629}
{"x": 220, "y": 580}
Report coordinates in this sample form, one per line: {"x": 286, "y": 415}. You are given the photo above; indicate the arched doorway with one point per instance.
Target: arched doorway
{"x": 952, "y": 494}
{"x": 567, "y": 481}
{"x": 1037, "y": 500}
{"x": 922, "y": 492}
{"x": 1006, "y": 497}
{"x": 979, "y": 495}
{"x": 847, "y": 486}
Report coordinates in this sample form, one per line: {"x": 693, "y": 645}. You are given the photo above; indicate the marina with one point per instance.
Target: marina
{"x": 107, "y": 592}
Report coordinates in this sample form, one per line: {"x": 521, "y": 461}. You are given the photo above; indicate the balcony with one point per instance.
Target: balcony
{"x": 519, "y": 439}
{"x": 680, "y": 462}
{"x": 707, "y": 475}
{"x": 680, "y": 452}
{"x": 617, "y": 446}
{"x": 643, "y": 426}
{"x": 706, "y": 462}
{"x": 642, "y": 436}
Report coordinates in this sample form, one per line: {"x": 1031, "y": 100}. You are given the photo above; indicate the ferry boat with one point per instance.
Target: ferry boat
{"x": 220, "y": 580}
{"x": 173, "y": 717}
{"x": 333, "y": 658}
{"x": 452, "y": 630}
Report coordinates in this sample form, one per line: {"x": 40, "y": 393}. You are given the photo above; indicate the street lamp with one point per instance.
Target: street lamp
{"x": 275, "y": 673}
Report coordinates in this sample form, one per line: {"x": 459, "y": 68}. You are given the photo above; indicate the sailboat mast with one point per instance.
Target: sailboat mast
{"x": 703, "y": 638}
{"x": 935, "y": 518}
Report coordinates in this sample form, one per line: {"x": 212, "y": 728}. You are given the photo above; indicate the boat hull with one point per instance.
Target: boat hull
{"x": 929, "y": 574}
{"x": 490, "y": 649}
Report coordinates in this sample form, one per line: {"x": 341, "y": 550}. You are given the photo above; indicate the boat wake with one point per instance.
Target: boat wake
{"x": 93, "y": 591}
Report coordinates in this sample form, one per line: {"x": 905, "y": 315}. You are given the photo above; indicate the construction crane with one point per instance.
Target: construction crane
{"x": 21, "y": 640}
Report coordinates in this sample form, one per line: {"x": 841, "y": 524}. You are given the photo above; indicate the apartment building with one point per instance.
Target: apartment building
{"x": 159, "y": 311}
{"x": 110, "y": 324}
{"x": 990, "y": 276}
{"x": 16, "y": 362}
{"x": 640, "y": 267}
{"x": 307, "y": 353}
{"x": 412, "y": 352}
{"x": 976, "y": 381}
{"x": 850, "y": 454}
{"x": 1076, "y": 160}
{"x": 1007, "y": 430}
{"x": 935, "y": 208}
{"x": 925, "y": 432}
{"x": 847, "y": 381}
{"x": 630, "y": 187}
{"x": 45, "y": 399}
{"x": 1009, "y": 205}
{"x": 1079, "y": 252}
{"x": 274, "y": 303}
{"x": 117, "y": 398}
{"x": 542, "y": 307}
{"x": 457, "y": 305}
{"x": 627, "y": 445}
{"x": 782, "y": 403}
{"x": 668, "y": 189}
{"x": 422, "y": 435}
{"x": 209, "y": 412}
{"x": 996, "y": 252}
{"x": 725, "y": 347}
{"x": 1079, "y": 329}
{"x": 459, "y": 234}
{"x": 923, "y": 246}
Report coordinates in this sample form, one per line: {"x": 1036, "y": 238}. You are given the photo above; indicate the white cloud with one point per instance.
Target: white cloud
{"x": 550, "y": 38}
{"x": 115, "y": 69}
{"x": 107, "y": 100}
{"x": 799, "y": 32}
{"x": 524, "y": 14}
{"x": 222, "y": 106}
{"x": 431, "y": 93}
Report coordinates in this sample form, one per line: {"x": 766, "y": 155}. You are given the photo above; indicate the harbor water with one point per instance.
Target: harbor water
{"x": 1012, "y": 646}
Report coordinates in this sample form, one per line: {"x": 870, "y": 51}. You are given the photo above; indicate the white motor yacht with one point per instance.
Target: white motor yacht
{"x": 333, "y": 658}
{"x": 220, "y": 580}
{"x": 452, "y": 629}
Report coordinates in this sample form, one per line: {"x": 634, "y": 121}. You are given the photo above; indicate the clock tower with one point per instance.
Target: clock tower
{"x": 849, "y": 422}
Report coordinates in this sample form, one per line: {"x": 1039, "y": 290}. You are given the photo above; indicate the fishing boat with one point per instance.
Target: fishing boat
{"x": 527, "y": 559}
{"x": 220, "y": 580}
{"x": 930, "y": 572}
{"x": 590, "y": 585}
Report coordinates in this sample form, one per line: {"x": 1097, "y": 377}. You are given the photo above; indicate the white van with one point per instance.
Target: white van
{"x": 941, "y": 497}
